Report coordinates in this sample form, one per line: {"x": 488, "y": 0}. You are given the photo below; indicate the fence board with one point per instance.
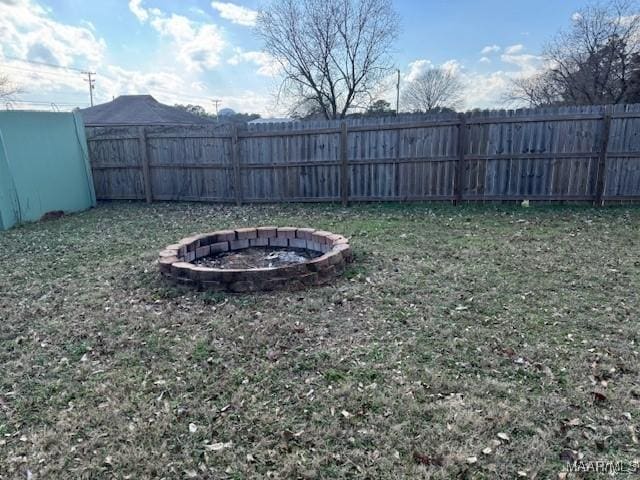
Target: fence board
{"x": 553, "y": 154}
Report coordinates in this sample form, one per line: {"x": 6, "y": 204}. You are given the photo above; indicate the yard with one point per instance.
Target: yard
{"x": 464, "y": 342}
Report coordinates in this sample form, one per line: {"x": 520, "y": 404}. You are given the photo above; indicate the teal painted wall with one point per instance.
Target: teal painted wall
{"x": 44, "y": 166}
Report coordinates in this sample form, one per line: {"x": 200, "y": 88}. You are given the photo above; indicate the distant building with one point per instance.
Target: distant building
{"x": 139, "y": 110}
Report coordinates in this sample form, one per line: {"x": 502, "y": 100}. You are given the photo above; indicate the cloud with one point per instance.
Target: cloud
{"x": 416, "y": 68}
{"x": 528, "y": 64}
{"x": 510, "y": 50}
{"x": 490, "y": 49}
{"x": 452, "y": 66}
{"x": 196, "y": 45}
{"x": 485, "y": 90}
{"x": 235, "y": 13}
{"x": 138, "y": 10}
{"x": 27, "y": 31}
{"x": 268, "y": 66}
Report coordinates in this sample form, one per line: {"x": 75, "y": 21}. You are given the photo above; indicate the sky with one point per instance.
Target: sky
{"x": 195, "y": 51}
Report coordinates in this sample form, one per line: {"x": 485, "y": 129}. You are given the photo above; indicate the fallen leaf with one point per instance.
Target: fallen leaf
{"x": 503, "y": 436}
{"x": 422, "y": 458}
{"x": 522, "y": 473}
{"x": 215, "y": 447}
{"x": 273, "y": 355}
{"x": 193, "y": 428}
{"x": 345, "y": 414}
{"x": 569, "y": 456}
{"x": 425, "y": 459}
{"x": 574, "y": 422}
{"x": 472, "y": 460}
{"x": 487, "y": 450}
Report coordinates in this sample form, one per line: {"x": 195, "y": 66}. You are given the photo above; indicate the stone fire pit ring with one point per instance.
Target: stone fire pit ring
{"x": 176, "y": 262}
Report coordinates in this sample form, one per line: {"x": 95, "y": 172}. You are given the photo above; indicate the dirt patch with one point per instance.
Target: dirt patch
{"x": 268, "y": 257}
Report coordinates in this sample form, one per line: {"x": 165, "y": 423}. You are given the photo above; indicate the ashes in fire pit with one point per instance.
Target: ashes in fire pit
{"x": 252, "y": 259}
{"x": 258, "y": 258}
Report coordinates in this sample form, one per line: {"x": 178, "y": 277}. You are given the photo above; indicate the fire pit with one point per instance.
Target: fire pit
{"x": 254, "y": 259}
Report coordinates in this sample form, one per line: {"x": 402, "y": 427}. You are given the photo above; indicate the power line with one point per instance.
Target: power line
{"x": 216, "y": 101}
{"x": 91, "y": 84}
{"x": 91, "y": 81}
{"x": 42, "y": 102}
{"x": 34, "y": 62}
{"x": 52, "y": 65}
{"x": 36, "y": 72}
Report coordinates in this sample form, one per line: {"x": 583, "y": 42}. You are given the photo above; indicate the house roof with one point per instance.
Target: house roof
{"x": 138, "y": 110}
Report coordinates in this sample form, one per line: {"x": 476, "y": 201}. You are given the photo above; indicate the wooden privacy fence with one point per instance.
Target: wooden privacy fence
{"x": 569, "y": 153}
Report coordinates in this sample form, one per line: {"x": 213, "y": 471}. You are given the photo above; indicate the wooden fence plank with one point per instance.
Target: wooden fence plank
{"x": 462, "y": 146}
{"x": 144, "y": 158}
{"x": 235, "y": 159}
{"x": 344, "y": 165}
{"x": 553, "y": 153}
{"x": 602, "y": 159}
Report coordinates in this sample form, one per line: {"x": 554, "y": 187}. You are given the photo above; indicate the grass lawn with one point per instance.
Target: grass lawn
{"x": 463, "y": 342}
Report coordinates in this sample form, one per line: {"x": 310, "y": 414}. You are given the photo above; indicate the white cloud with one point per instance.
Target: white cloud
{"x": 416, "y": 68}
{"x": 196, "y": 45}
{"x": 267, "y": 65}
{"x": 236, "y": 13}
{"x": 486, "y": 90}
{"x": 490, "y": 49}
{"x": 527, "y": 63}
{"x": 138, "y": 10}
{"x": 27, "y": 31}
{"x": 510, "y": 50}
{"x": 481, "y": 90}
{"x": 452, "y": 66}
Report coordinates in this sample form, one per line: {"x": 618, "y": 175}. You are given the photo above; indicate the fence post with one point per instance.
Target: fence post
{"x": 602, "y": 159}
{"x": 146, "y": 170}
{"x": 344, "y": 165}
{"x": 235, "y": 158}
{"x": 459, "y": 172}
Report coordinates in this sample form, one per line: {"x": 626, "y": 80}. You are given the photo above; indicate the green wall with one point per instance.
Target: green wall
{"x": 44, "y": 166}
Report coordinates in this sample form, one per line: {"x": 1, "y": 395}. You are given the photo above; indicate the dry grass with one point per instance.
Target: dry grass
{"x": 452, "y": 326}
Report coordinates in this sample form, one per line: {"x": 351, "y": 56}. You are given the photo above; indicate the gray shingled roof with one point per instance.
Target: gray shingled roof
{"x": 138, "y": 110}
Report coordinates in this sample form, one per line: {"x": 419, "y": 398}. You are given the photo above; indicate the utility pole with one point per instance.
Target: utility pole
{"x": 398, "y": 94}
{"x": 91, "y": 84}
{"x": 216, "y": 101}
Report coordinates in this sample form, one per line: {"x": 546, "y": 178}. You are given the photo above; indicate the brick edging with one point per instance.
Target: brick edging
{"x": 176, "y": 260}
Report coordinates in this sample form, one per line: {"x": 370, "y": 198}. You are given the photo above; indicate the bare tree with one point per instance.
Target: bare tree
{"x": 7, "y": 88}
{"x": 593, "y": 62}
{"x": 434, "y": 88}
{"x": 332, "y": 52}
